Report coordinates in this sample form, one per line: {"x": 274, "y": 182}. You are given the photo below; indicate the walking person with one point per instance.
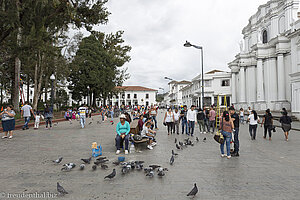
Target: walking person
{"x": 286, "y": 124}
{"x": 82, "y": 114}
{"x": 26, "y": 112}
{"x": 176, "y": 121}
{"x": 268, "y": 124}
{"x": 212, "y": 119}
{"x": 242, "y": 119}
{"x": 236, "y": 122}
{"x": 8, "y": 121}
{"x": 206, "y": 119}
{"x": 191, "y": 119}
{"x": 48, "y": 114}
{"x": 169, "y": 120}
{"x": 183, "y": 120}
{"x": 200, "y": 119}
{"x": 226, "y": 126}
{"x": 253, "y": 120}
{"x": 37, "y": 120}
{"x": 153, "y": 114}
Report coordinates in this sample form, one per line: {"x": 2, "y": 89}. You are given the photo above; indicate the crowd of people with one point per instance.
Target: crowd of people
{"x": 228, "y": 123}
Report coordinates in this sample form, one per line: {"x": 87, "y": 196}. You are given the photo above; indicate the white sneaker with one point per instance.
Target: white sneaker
{"x": 4, "y": 137}
{"x": 118, "y": 152}
{"x": 228, "y": 157}
{"x": 10, "y": 137}
{"x": 126, "y": 152}
{"x": 149, "y": 147}
{"x": 222, "y": 155}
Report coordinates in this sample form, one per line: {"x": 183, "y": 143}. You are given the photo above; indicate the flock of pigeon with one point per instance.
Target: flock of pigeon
{"x": 127, "y": 167}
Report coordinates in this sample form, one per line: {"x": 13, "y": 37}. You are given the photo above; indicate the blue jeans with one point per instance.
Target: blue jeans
{"x": 82, "y": 121}
{"x": 191, "y": 127}
{"x": 155, "y": 121}
{"x": 184, "y": 123}
{"x": 242, "y": 119}
{"x": 227, "y": 138}
{"x": 236, "y": 140}
{"x": 212, "y": 124}
{"x": 26, "y": 119}
{"x": 119, "y": 139}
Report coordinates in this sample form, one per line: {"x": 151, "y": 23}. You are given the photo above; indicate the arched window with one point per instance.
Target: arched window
{"x": 265, "y": 37}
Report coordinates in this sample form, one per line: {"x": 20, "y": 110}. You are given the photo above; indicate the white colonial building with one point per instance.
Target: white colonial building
{"x": 175, "y": 93}
{"x": 217, "y": 84}
{"x": 133, "y": 95}
{"x": 266, "y": 72}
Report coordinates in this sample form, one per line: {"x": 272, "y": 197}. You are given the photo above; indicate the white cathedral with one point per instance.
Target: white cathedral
{"x": 266, "y": 72}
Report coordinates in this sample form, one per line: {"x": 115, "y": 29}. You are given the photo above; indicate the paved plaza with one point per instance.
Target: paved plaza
{"x": 265, "y": 169}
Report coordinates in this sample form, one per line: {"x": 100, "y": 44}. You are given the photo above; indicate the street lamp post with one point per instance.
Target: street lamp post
{"x": 188, "y": 44}
{"x": 52, "y": 78}
{"x": 88, "y": 100}
{"x": 162, "y": 89}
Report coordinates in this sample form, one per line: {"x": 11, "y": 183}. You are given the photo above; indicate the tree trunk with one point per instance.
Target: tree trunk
{"x": 39, "y": 70}
{"x": 28, "y": 88}
{"x": 1, "y": 94}
{"x": 16, "y": 96}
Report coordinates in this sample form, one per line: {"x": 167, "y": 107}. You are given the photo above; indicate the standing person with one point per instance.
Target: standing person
{"x": 268, "y": 124}
{"x": 153, "y": 114}
{"x": 253, "y": 120}
{"x": 176, "y": 121}
{"x": 8, "y": 121}
{"x": 48, "y": 114}
{"x": 286, "y": 124}
{"x": 226, "y": 125}
{"x": 122, "y": 129}
{"x": 82, "y": 114}
{"x": 206, "y": 119}
{"x": 112, "y": 115}
{"x": 141, "y": 122}
{"x": 200, "y": 119}
{"x": 26, "y": 111}
{"x": 191, "y": 119}
{"x": 169, "y": 120}
{"x": 212, "y": 119}
{"x": 236, "y": 122}
{"x": 242, "y": 119}
{"x": 37, "y": 120}
{"x": 184, "y": 120}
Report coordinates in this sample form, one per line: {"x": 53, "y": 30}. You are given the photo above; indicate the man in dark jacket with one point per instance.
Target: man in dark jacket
{"x": 200, "y": 119}
{"x": 236, "y": 123}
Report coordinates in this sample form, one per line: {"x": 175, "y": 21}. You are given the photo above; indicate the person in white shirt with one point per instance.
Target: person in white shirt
{"x": 26, "y": 111}
{"x": 176, "y": 121}
{"x": 191, "y": 119}
{"x": 169, "y": 120}
{"x": 37, "y": 120}
{"x": 82, "y": 114}
{"x": 253, "y": 120}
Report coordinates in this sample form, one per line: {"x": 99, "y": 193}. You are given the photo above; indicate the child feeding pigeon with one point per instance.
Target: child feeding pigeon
{"x": 148, "y": 133}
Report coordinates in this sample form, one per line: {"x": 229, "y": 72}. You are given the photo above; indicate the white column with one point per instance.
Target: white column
{"x": 233, "y": 87}
{"x": 281, "y": 78}
{"x": 273, "y": 79}
{"x": 260, "y": 81}
{"x": 252, "y": 84}
{"x": 242, "y": 85}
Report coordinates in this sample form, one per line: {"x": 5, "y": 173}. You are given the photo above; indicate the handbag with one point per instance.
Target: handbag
{"x": 219, "y": 136}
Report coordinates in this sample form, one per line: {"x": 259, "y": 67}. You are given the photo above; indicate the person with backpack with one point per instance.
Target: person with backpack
{"x": 286, "y": 124}
{"x": 268, "y": 124}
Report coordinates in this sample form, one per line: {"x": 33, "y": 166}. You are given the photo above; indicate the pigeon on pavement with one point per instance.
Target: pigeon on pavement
{"x": 172, "y": 160}
{"x": 90, "y": 123}
{"x": 68, "y": 167}
{"x": 61, "y": 190}
{"x": 57, "y": 161}
{"x": 197, "y": 139}
{"x": 150, "y": 174}
{"x": 204, "y": 139}
{"x": 177, "y": 146}
{"x": 81, "y": 167}
{"x": 154, "y": 166}
{"x": 116, "y": 162}
{"x": 103, "y": 166}
{"x": 194, "y": 191}
{"x": 101, "y": 158}
{"x": 175, "y": 140}
{"x": 94, "y": 167}
{"x": 88, "y": 160}
{"x": 100, "y": 161}
{"x": 112, "y": 175}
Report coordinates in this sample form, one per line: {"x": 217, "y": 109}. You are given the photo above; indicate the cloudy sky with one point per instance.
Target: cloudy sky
{"x": 157, "y": 30}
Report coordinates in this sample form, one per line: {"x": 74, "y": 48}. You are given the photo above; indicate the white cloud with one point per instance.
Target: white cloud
{"x": 157, "y": 30}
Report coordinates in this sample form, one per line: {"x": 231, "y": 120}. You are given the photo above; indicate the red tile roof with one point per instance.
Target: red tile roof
{"x": 134, "y": 88}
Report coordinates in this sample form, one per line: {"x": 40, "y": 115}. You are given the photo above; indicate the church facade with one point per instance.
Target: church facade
{"x": 266, "y": 72}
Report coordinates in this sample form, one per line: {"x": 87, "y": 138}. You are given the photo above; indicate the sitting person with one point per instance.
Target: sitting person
{"x": 148, "y": 133}
{"x": 123, "y": 129}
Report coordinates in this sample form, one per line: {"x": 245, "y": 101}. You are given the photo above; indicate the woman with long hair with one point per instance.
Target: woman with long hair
{"x": 169, "y": 120}
{"x": 268, "y": 124}
{"x": 286, "y": 124}
{"x": 226, "y": 126}
{"x": 253, "y": 120}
